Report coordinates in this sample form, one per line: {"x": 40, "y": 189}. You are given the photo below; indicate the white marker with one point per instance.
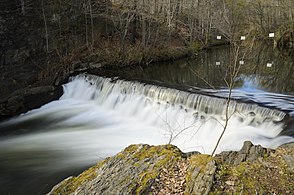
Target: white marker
{"x": 271, "y": 35}
{"x": 217, "y": 63}
{"x": 269, "y": 65}
{"x": 243, "y": 38}
{"x": 218, "y": 37}
{"x": 241, "y": 62}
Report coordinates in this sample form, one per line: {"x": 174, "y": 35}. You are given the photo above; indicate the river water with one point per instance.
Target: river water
{"x": 182, "y": 103}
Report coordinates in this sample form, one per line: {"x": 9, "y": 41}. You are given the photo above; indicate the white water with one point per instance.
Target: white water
{"x": 96, "y": 118}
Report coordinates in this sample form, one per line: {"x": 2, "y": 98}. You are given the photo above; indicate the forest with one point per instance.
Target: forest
{"x": 54, "y": 37}
{"x": 64, "y": 28}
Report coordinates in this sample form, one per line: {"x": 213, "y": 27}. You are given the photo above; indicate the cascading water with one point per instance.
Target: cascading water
{"x": 98, "y": 110}
{"x": 97, "y": 117}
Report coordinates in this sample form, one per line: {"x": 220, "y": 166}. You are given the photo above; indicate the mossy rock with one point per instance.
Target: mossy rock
{"x": 144, "y": 169}
{"x": 132, "y": 171}
{"x": 200, "y": 174}
{"x": 266, "y": 175}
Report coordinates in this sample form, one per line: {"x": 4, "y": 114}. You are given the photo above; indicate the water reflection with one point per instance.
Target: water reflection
{"x": 203, "y": 71}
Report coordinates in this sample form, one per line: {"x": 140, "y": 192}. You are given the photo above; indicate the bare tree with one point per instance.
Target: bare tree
{"x": 46, "y": 28}
{"x": 92, "y": 23}
{"x": 122, "y": 17}
{"x": 86, "y": 22}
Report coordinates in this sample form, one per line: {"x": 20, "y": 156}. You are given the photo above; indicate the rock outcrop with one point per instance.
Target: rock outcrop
{"x": 249, "y": 152}
{"x": 133, "y": 171}
{"x": 261, "y": 171}
{"x": 144, "y": 169}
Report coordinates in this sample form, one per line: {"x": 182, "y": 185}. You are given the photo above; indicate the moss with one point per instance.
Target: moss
{"x": 245, "y": 175}
{"x": 128, "y": 151}
{"x": 197, "y": 163}
{"x": 195, "y": 47}
{"x": 166, "y": 155}
{"x": 70, "y": 185}
{"x": 146, "y": 180}
{"x": 137, "y": 155}
{"x": 200, "y": 160}
{"x": 241, "y": 177}
{"x": 156, "y": 151}
{"x": 267, "y": 175}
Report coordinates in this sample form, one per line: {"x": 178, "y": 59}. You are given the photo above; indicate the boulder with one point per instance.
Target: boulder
{"x": 144, "y": 169}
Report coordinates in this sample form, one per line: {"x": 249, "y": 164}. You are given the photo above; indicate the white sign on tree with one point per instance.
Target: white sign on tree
{"x": 269, "y": 65}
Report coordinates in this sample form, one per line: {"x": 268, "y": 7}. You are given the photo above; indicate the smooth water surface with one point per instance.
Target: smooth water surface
{"x": 202, "y": 72}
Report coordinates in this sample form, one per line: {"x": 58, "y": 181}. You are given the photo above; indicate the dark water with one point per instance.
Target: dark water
{"x": 32, "y": 162}
{"x": 202, "y": 72}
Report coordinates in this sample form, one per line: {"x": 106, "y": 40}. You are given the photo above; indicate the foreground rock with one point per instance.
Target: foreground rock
{"x": 144, "y": 169}
{"x": 256, "y": 170}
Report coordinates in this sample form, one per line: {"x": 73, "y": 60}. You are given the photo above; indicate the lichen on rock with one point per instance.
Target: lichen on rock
{"x": 200, "y": 174}
{"x": 132, "y": 171}
{"x": 144, "y": 169}
{"x": 261, "y": 171}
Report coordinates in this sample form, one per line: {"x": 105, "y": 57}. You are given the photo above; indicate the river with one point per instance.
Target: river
{"x": 182, "y": 103}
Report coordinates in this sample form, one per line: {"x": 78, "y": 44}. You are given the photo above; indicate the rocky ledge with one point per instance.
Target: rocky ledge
{"x": 144, "y": 169}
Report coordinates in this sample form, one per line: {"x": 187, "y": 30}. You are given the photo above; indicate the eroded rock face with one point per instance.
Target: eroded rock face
{"x": 255, "y": 170}
{"x": 133, "y": 171}
{"x": 249, "y": 152}
{"x": 144, "y": 169}
{"x": 200, "y": 174}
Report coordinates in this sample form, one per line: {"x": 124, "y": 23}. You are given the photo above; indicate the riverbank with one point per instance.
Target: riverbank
{"x": 141, "y": 169}
{"x": 46, "y": 84}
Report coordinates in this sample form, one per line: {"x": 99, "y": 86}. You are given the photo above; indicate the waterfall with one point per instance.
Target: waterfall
{"x": 100, "y": 116}
{"x": 162, "y": 95}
